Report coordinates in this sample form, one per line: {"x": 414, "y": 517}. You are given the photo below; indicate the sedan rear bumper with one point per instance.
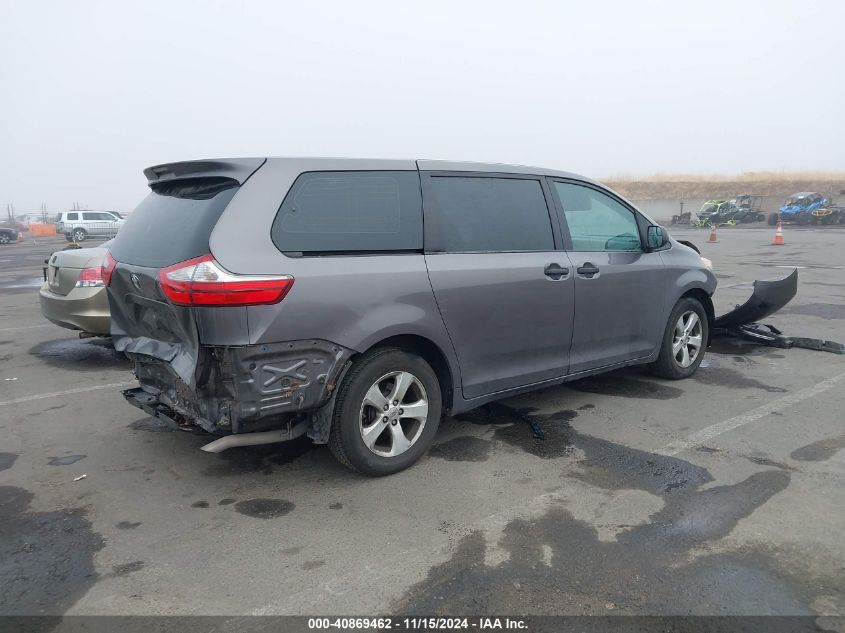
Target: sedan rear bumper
{"x": 85, "y": 309}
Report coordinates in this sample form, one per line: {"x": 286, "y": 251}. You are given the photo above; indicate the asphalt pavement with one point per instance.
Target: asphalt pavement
{"x": 720, "y": 494}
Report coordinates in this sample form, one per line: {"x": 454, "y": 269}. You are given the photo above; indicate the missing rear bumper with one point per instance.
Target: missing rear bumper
{"x": 246, "y": 389}
{"x": 151, "y": 405}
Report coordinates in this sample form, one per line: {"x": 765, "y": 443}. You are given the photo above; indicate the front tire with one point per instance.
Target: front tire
{"x": 684, "y": 341}
{"x": 387, "y": 412}
{"x": 5, "y": 238}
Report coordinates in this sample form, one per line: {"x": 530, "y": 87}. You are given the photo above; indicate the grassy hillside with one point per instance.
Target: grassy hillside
{"x": 763, "y": 183}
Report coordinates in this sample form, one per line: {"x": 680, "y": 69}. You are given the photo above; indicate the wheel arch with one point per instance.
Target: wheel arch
{"x": 431, "y": 353}
{"x": 705, "y": 299}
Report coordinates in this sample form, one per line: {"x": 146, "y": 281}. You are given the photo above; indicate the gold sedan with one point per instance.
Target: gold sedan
{"x": 73, "y": 294}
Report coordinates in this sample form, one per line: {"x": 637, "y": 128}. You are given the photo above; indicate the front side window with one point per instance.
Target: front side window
{"x": 486, "y": 214}
{"x": 596, "y": 221}
{"x": 351, "y": 212}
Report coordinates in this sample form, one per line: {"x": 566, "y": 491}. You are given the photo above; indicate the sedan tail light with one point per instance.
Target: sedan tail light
{"x": 203, "y": 282}
{"x": 91, "y": 278}
{"x": 108, "y": 268}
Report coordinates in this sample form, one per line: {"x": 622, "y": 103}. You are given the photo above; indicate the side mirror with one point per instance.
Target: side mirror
{"x": 657, "y": 237}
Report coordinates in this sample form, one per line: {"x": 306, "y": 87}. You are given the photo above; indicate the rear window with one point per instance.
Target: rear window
{"x": 484, "y": 214}
{"x": 174, "y": 222}
{"x": 365, "y": 211}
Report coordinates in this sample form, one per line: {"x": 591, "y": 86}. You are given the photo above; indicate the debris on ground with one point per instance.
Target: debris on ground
{"x": 769, "y": 297}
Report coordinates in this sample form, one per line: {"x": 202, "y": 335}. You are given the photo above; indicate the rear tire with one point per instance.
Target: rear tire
{"x": 371, "y": 434}
{"x": 5, "y": 238}
{"x": 688, "y": 330}
{"x": 79, "y": 235}
{"x": 773, "y": 219}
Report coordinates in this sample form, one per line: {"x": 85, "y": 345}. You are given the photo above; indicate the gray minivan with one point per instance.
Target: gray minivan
{"x": 357, "y": 301}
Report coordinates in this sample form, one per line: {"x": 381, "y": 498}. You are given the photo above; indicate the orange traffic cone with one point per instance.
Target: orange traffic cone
{"x": 712, "y": 239}
{"x": 778, "y": 241}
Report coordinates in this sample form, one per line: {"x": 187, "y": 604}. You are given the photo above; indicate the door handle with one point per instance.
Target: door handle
{"x": 555, "y": 271}
{"x": 588, "y": 270}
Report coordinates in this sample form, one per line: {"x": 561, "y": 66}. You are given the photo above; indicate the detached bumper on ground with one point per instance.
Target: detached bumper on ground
{"x": 768, "y": 297}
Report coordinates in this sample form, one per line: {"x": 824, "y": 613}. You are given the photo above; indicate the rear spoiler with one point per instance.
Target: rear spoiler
{"x": 239, "y": 169}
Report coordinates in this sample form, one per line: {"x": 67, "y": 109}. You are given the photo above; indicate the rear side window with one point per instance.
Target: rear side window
{"x": 72, "y": 216}
{"x": 363, "y": 211}
{"x": 596, "y": 221}
{"x": 174, "y": 222}
{"x": 483, "y": 214}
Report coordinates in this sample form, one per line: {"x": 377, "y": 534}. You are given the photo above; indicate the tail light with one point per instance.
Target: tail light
{"x": 108, "y": 268}
{"x": 202, "y": 282}
{"x": 91, "y": 278}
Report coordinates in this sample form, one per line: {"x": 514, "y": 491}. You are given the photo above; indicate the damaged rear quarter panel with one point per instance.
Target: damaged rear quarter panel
{"x": 353, "y": 301}
{"x": 222, "y": 325}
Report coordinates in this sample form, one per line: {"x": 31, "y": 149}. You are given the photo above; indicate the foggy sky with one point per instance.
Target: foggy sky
{"x": 93, "y": 92}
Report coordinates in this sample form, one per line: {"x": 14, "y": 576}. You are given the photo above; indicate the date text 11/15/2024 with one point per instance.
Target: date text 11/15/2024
{"x": 418, "y": 624}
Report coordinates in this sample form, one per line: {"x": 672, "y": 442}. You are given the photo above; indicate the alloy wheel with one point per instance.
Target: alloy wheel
{"x": 393, "y": 414}
{"x": 686, "y": 345}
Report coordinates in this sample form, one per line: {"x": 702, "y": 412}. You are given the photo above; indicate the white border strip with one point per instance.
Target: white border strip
{"x": 67, "y": 392}
{"x": 25, "y": 327}
{"x": 699, "y": 437}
